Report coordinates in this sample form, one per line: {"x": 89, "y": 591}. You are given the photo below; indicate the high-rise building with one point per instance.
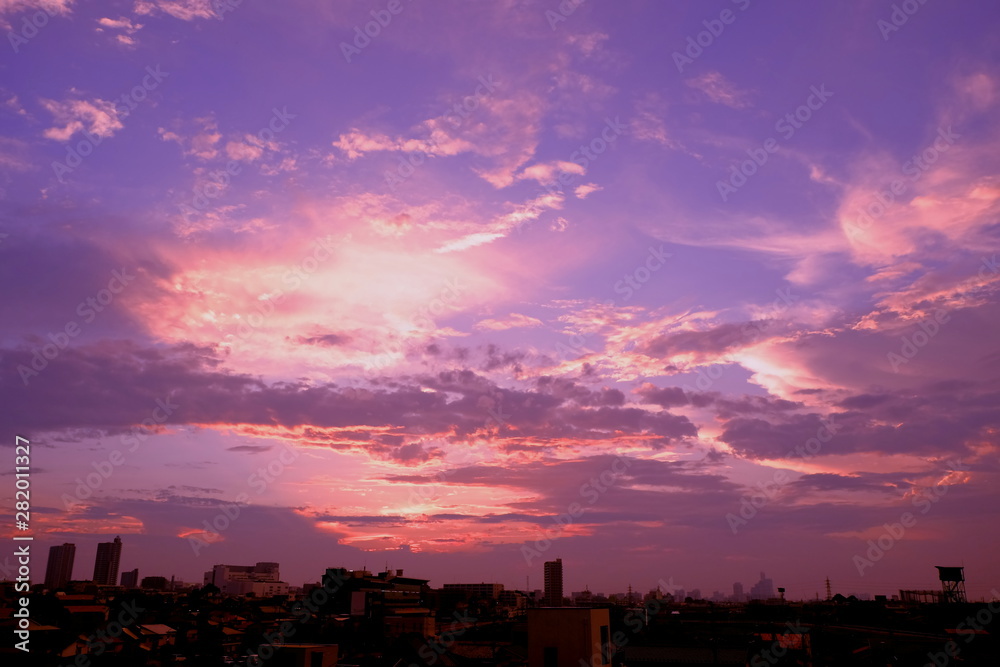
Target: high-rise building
{"x": 738, "y": 595}
{"x": 59, "y": 570}
{"x": 109, "y": 555}
{"x": 554, "y": 583}
{"x": 131, "y": 579}
{"x": 763, "y": 589}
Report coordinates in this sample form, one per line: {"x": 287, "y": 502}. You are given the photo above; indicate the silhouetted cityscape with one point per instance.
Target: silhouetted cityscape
{"x": 246, "y": 614}
{"x": 500, "y": 333}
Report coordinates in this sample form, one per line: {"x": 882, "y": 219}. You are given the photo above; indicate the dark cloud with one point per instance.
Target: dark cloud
{"x": 330, "y": 339}
{"x": 114, "y": 385}
{"x": 927, "y": 422}
{"x": 709, "y": 342}
{"x": 54, "y": 258}
{"x": 892, "y": 483}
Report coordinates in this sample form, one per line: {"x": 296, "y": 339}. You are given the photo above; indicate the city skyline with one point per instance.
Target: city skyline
{"x": 669, "y": 291}
{"x": 553, "y": 588}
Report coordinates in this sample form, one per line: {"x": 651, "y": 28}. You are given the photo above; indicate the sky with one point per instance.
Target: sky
{"x": 677, "y": 292}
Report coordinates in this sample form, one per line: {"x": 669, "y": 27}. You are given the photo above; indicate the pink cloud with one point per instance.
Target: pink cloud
{"x": 96, "y": 116}
{"x": 512, "y": 321}
{"x": 719, "y": 90}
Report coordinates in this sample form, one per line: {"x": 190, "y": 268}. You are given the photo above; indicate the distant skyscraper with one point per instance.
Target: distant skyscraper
{"x": 60, "y": 567}
{"x": 109, "y": 554}
{"x": 131, "y": 579}
{"x": 763, "y": 589}
{"x": 738, "y": 595}
{"x": 554, "y": 583}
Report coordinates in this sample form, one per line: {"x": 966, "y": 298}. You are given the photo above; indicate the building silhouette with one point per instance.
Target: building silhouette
{"x": 261, "y": 580}
{"x": 109, "y": 555}
{"x": 397, "y": 603}
{"x": 570, "y": 637}
{"x": 131, "y": 579}
{"x": 738, "y": 594}
{"x": 554, "y": 583}
{"x": 482, "y": 590}
{"x": 59, "y": 569}
{"x": 763, "y": 589}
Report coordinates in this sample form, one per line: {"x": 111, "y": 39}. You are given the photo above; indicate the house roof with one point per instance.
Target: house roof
{"x": 158, "y": 629}
{"x": 38, "y": 627}
{"x": 86, "y": 609}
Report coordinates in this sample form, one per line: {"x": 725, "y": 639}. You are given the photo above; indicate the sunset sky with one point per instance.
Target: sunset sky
{"x": 713, "y": 285}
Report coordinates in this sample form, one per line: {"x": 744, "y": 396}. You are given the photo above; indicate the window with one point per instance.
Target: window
{"x": 316, "y": 659}
{"x": 550, "y": 656}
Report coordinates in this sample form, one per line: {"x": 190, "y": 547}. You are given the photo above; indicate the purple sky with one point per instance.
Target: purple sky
{"x": 713, "y": 285}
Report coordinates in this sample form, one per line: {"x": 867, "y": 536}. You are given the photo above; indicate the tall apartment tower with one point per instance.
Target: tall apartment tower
{"x": 109, "y": 554}
{"x": 554, "y": 583}
{"x": 59, "y": 570}
{"x": 131, "y": 579}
